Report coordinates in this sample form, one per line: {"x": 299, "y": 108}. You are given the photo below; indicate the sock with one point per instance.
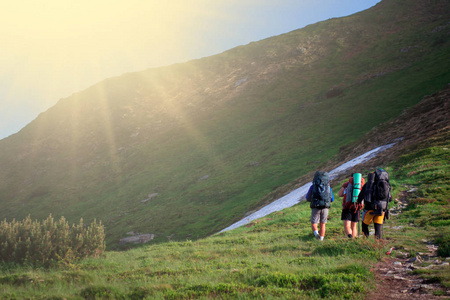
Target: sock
{"x": 316, "y": 233}
{"x": 321, "y": 238}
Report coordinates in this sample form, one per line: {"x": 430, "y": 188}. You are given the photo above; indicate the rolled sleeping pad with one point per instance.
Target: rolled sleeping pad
{"x": 356, "y": 186}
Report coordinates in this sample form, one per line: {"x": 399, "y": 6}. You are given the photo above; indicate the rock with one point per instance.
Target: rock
{"x": 137, "y": 239}
{"x": 397, "y": 263}
{"x": 399, "y": 254}
{"x": 150, "y": 196}
{"x": 432, "y": 247}
{"x": 426, "y": 286}
{"x": 398, "y": 227}
{"x": 203, "y": 177}
{"x": 415, "y": 259}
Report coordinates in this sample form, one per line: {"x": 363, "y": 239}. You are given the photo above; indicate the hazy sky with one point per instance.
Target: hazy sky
{"x": 53, "y": 48}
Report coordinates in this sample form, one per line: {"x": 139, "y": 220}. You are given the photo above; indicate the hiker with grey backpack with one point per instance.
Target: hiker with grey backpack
{"x": 320, "y": 197}
{"x": 376, "y": 195}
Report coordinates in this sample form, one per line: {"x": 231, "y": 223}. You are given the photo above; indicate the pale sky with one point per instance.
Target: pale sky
{"x": 51, "y": 49}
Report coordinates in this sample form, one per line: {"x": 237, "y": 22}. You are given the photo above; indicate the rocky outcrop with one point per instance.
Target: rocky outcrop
{"x": 137, "y": 239}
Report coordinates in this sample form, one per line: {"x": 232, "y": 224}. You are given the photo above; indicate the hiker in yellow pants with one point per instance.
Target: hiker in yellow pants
{"x": 368, "y": 217}
{"x": 376, "y": 194}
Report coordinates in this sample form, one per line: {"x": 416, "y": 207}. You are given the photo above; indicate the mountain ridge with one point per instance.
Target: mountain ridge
{"x": 213, "y": 136}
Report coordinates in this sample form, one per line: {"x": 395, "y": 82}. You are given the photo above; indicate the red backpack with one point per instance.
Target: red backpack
{"x": 352, "y": 191}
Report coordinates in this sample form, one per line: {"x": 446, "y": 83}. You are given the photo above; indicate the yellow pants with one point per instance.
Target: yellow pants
{"x": 368, "y": 217}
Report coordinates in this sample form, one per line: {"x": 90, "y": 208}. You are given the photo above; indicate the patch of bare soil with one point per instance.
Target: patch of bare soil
{"x": 395, "y": 281}
{"x": 394, "y": 276}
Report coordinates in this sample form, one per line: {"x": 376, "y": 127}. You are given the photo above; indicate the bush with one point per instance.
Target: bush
{"x": 101, "y": 292}
{"x": 444, "y": 245}
{"x": 48, "y": 242}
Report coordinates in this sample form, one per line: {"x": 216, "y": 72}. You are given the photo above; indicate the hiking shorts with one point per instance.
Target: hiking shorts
{"x": 369, "y": 217}
{"x": 319, "y": 215}
{"x": 348, "y": 215}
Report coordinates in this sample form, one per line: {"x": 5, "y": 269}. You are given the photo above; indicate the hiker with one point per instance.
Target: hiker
{"x": 320, "y": 197}
{"x": 376, "y": 194}
{"x": 350, "y": 191}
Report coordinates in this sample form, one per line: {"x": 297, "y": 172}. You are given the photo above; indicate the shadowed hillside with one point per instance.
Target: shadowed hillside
{"x": 185, "y": 150}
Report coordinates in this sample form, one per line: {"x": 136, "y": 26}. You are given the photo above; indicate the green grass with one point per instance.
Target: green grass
{"x": 273, "y": 263}
{"x": 275, "y": 257}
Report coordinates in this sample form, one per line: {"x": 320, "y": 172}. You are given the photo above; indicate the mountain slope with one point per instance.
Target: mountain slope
{"x": 278, "y": 257}
{"x": 184, "y": 150}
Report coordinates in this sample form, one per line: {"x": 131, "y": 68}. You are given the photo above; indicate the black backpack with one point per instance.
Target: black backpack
{"x": 369, "y": 189}
{"x": 321, "y": 194}
{"x": 381, "y": 193}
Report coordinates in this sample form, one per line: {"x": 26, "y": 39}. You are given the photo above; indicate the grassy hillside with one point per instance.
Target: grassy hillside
{"x": 275, "y": 257}
{"x": 209, "y": 139}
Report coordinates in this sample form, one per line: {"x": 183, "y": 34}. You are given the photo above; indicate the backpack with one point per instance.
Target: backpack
{"x": 321, "y": 194}
{"x": 369, "y": 189}
{"x": 352, "y": 191}
{"x": 381, "y": 193}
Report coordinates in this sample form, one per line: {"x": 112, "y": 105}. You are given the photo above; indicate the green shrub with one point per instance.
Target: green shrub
{"x": 15, "y": 279}
{"x": 140, "y": 293}
{"x": 45, "y": 243}
{"x": 280, "y": 280}
{"x": 101, "y": 292}
{"x": 444, "y": 245}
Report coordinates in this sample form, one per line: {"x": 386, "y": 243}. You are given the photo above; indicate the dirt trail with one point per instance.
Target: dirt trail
{"x": 394, "y": 276}
{"x": 395, "y": 281}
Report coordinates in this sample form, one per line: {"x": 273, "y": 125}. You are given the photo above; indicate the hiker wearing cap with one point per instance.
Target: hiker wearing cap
{"x": 376, "y": 194}
{"x": 320, "y": 197}
{"x": 350, "y": 191}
